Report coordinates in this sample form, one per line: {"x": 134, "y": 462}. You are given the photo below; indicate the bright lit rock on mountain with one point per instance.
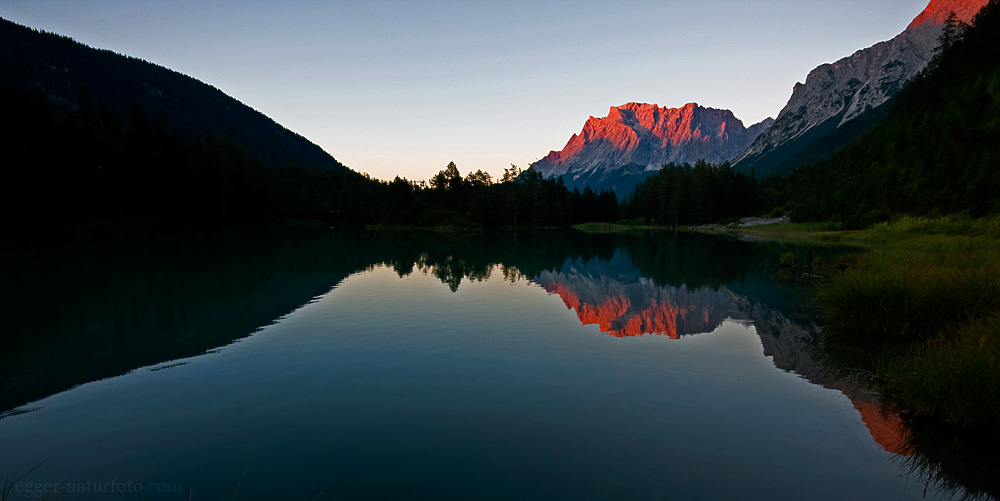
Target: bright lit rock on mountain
{"x": 635, "y": 138}
{"x": 835, "y": 94}
{"x": 937, "y": 11}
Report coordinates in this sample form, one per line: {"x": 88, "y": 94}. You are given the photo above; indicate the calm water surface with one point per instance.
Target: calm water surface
{"x": 167, "y": 364}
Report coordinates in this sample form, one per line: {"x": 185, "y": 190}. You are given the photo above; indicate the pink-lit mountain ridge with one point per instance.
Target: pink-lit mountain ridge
{"x": 839, "y": 101}
{"x": 836, "y": 104}
{"x": 618, "y": 150}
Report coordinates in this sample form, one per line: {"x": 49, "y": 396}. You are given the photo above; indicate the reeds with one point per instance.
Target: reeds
{"x": 908, "y": 302}
{"x": 10, "y": 483}
{"x": 955, "y": 380}
{"x": 929, "y": 284}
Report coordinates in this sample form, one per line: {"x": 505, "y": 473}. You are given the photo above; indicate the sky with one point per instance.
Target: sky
{"x": 402, "y": 87}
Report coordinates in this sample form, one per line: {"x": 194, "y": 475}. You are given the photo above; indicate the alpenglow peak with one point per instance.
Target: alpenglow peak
{"x": 636, "y": 138}
{"x": 937, "y": 12}
{"x": 811, "y": 126}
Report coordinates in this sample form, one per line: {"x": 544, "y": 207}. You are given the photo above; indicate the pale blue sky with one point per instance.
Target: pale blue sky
{"x": 404, "y": 87}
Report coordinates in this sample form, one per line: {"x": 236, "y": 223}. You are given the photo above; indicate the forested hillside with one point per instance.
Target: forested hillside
{"x": 90, "y": 134}
{"x": 70, "y": 75}
{"x": 96, "y": 164}
{"x": 85, "y": 155}
{"x": 936, "y": 152}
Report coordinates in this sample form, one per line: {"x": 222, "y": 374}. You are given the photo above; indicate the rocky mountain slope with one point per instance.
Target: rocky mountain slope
{"x": 934, "y": 153}
{"x": 830, "y": 108}
{"x": 616, "y": 151}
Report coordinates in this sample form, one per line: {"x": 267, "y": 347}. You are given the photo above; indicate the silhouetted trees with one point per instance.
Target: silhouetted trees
{"x": 685, "y": 194}
{"x": 520, "y": 198}
{"x": 92, "y": 164}
{"x": 936, "y": 152}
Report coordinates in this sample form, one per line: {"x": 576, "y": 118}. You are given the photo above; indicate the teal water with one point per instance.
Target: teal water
{"x": 167, "y": 364}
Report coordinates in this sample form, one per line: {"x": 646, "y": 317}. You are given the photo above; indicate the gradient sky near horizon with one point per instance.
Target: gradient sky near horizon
{"x": 402, "y": 87}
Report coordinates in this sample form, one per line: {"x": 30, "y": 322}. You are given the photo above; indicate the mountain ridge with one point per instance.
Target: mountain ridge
{"x": 847, "y": 89}
{"x": 937, "y": 11}
{"x": 934, "y": 152}
{"x": 644, "y": 137}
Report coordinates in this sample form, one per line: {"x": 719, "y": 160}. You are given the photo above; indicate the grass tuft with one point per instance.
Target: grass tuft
{"x": 10, "y": 483}
{"x": 955, "y": 380}
{"x": 929, "y": 285}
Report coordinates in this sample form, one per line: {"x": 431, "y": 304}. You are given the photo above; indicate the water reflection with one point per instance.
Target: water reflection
{"x": 683, "y": 285}
{"x": 792, "y": 339}
{"x": 90, "y": 304}
{"x": 627, "y": 304}
{"x": 622, "y": 302}
{"x": 98, "y": 303}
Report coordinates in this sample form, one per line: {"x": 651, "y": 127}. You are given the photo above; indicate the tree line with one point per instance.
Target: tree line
{"x": 92, "y": 163}
{"x": 936, "y": 152}
{"x": 686, "y": 194}
{"x": 519, "y": 198}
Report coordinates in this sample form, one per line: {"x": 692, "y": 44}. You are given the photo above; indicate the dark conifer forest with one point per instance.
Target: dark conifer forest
{"x": 684, "y": 195}
{"x": 92, "y": 163}
{"x": 936, "y": 152}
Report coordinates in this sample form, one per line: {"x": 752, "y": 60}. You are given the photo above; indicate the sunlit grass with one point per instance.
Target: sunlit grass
{"x": 614, "y": 227}
{"x": 796, "y": 227}
{"x": 954, "y": 225}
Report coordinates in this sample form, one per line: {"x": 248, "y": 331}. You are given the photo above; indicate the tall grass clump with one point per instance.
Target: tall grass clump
{"x": 951, "y": 225}
{"x": 915, "y": 286}
{"x": 955, "y": 380}
{"x": 864, "y": 305}
{"x": 932, "y": 292}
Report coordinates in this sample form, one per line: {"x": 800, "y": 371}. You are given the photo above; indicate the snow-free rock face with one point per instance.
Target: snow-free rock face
{"x": 835, "y": 94}
{"x": 648, "y": 136}
{"x": 937, "y": 11}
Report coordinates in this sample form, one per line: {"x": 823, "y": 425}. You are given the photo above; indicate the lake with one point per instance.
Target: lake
{"x": 161, "y": 363}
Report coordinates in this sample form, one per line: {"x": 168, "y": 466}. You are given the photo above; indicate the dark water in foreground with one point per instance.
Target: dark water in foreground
{"x": 168, "y": 364}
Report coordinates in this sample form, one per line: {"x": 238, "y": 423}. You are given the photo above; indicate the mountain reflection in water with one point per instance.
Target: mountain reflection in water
{"x": 135, "y": 298}
{"x": 617, "y": 298}
{"x": 626, "y": 304}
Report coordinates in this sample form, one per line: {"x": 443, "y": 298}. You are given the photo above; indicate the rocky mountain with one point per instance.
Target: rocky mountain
{"x": 937, "y": 11}
{"x": 618, "y": 150}
{"x": 935, "y": 152}
{"x": 838, "y": 101}
{"x": 66, "y": 72}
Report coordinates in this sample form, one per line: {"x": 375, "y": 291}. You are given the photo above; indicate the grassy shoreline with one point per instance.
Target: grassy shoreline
{"x": 598, "y": 228}
{"x": 927, "y": 290}
{"x": 921, "y": 299}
